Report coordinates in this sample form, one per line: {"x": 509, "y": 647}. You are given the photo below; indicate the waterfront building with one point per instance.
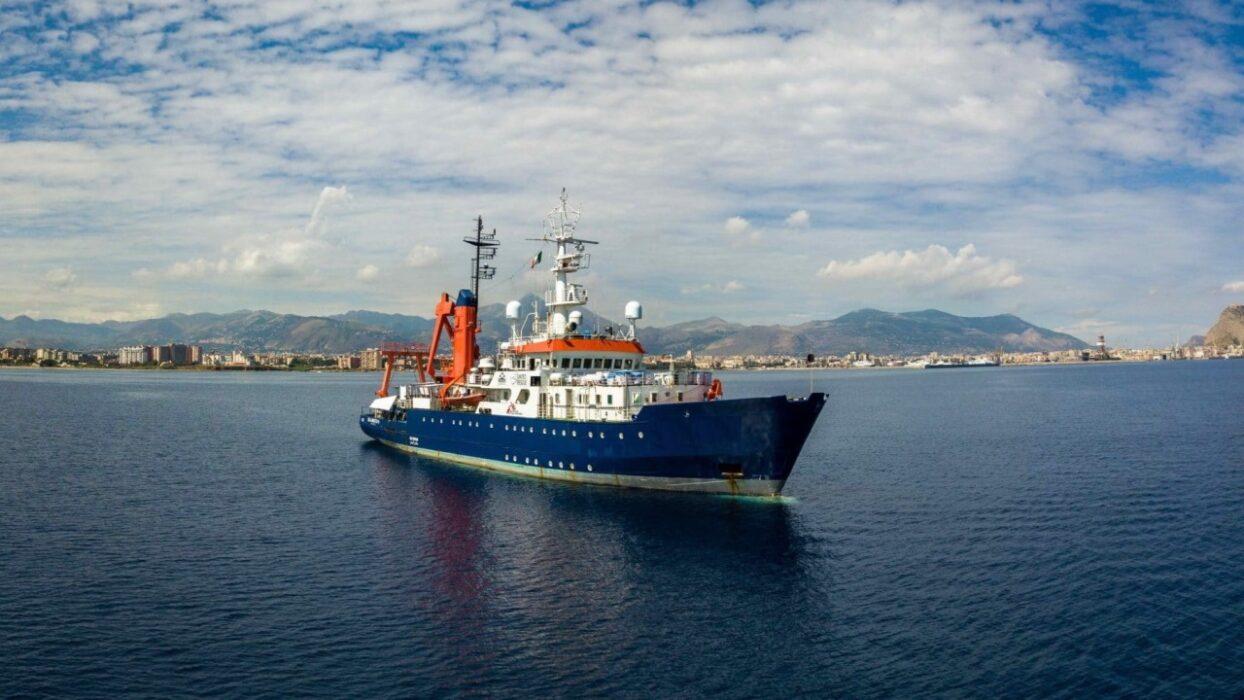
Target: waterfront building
{"x": 371, "y": 360}
{"x": 134, "y": 355}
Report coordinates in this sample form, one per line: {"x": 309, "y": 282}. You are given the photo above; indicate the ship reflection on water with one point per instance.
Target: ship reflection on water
{"x": 495, "y": 560}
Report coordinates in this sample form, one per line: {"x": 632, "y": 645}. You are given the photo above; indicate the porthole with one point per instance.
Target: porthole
{"x": 641, "y": 435}
{"x": 619, "y": 436}
{"x": 561, "y": 465}
{"x": 544, "y": 431}
{"x": 574, "y": 433}
{"x": 589, "y": 433}
{"x": 550, "y": 463}
{"x": 589, "y": 467}
{"x": 572, "y": 466}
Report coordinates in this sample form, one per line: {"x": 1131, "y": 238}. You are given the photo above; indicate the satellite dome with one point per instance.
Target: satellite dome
{"x": 512, "y": 310}
{"x": 634, "y": 311}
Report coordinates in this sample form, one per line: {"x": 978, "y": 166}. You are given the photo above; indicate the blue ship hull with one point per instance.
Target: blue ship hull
{"x": 736, "y": 446}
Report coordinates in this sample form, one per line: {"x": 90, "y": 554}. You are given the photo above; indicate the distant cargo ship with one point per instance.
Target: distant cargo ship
{"x": 561, "y": 401}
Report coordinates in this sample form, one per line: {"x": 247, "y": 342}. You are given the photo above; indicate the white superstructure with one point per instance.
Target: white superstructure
{"x": 552, "y": 366}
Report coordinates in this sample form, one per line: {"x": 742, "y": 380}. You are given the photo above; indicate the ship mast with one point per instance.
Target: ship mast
{"x": 559, "y": 229}
{"x": 485, "y": 250}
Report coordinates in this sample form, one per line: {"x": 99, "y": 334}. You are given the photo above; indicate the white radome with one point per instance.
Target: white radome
{"x": 512, "y": 310}
{"x": 634, "y": 311}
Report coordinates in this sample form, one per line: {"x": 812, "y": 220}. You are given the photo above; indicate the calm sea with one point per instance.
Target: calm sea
{"x": 1068, "y": 531}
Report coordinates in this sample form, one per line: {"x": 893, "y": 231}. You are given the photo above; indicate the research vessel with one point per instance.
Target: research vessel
{"x": 566, "y": 402}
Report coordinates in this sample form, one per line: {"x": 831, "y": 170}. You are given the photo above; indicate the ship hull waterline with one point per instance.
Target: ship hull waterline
{"x": 744, "y": 447}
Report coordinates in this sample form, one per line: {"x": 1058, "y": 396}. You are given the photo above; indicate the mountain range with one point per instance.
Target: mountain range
{"x": 866, "y": 330}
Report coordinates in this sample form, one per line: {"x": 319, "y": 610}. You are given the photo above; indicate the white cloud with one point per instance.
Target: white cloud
{"x": 293, "y": 253}
{"x": 422, "y": 256}
{"x": 712, "y": 288}
{"x": 798, "y": 219}
{"x": 740, "y": 230}
{"x": 368, "y": 273}
{"x": 906, "y": 120}
{"x": 199, "y": 267}
{"x": 1234, "y": 287}
{"x": 329, "y": 196}
{"x": 84, "y": 42}
{"x": 737, "y": 226}
{"x": 963, "y": 272}
{"x": 60, "y": 277}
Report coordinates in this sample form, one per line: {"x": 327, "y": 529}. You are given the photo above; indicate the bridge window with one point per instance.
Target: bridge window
{"x": 609, "y": 399}
{"x": 524, "y": 395}
{"x": 578, "y": 363}
{"x": 597, "y": 363}
{"x": 565, "y": 363}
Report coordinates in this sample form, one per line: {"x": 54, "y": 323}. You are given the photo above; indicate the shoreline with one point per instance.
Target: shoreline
{"x": 335, "y": 370}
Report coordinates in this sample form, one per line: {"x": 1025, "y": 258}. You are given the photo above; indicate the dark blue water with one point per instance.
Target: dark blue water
{"x": 1074, "y": 531}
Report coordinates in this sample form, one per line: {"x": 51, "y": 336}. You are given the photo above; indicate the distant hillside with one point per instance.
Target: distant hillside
{"x": 399, "y": 324}
{"x": 867, "y": 330}
{"x": 252, "y": 330}
{"x": 1229, "y": 329}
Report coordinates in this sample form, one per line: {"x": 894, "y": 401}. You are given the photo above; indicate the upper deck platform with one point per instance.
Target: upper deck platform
{"x": 573, "y": 344}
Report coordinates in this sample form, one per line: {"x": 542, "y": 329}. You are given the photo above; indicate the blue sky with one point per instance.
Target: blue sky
{"x": 1080, "y": 165}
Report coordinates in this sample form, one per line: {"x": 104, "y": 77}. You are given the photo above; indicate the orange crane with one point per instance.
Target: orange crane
{"x": 392, "y": 351}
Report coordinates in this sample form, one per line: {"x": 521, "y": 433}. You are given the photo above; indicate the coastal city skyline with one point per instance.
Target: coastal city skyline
{"x": 1078, "y": 166}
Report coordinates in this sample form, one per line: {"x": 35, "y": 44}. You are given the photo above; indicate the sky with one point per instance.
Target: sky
{"x": 1078, "y": 165}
